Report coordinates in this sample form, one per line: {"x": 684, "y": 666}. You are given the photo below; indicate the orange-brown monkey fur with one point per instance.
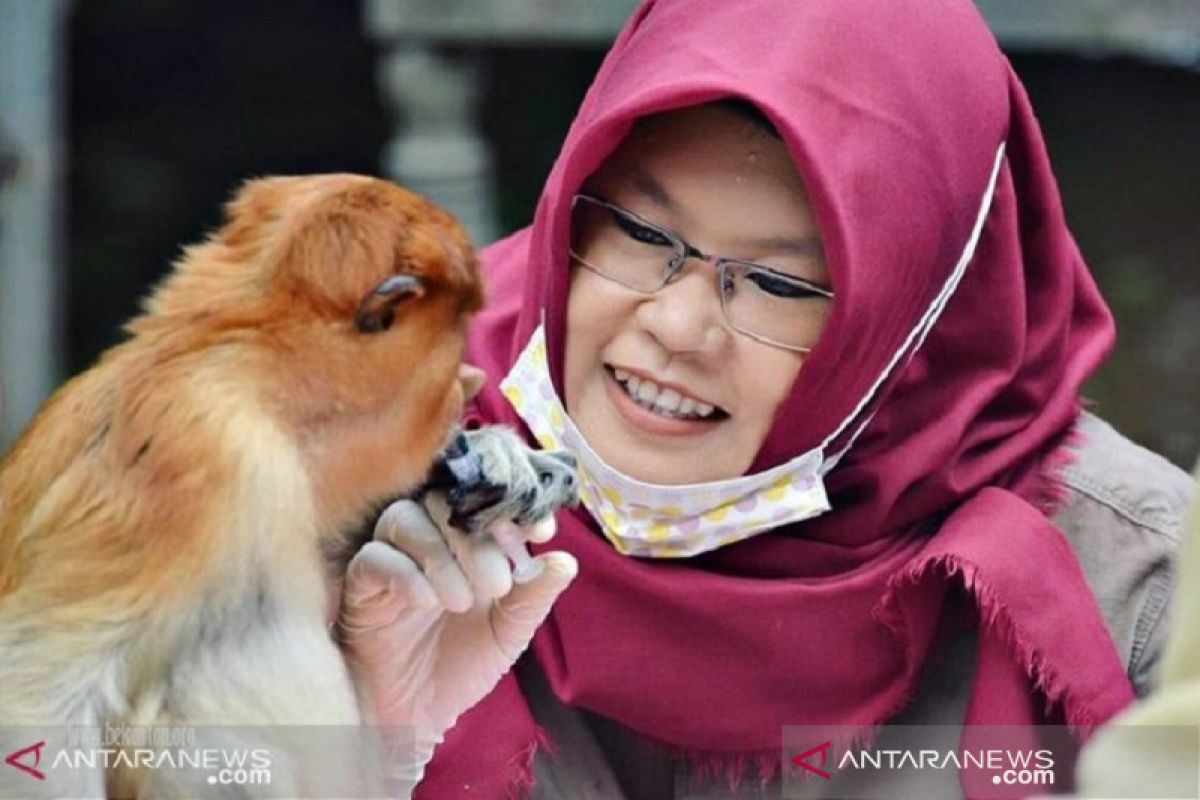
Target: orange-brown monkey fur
{"x": 163, "y": 518}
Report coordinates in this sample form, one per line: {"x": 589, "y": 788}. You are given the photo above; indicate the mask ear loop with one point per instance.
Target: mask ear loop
{"x": 916, "y": 336}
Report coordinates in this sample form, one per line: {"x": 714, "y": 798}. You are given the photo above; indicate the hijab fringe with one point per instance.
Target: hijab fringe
{"x": 1081, "y": 718}
{"x": 520, "y": 768}
{"x": 765, "y": 765}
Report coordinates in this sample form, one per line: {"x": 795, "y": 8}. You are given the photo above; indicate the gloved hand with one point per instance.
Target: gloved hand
{"x": 430, "y": 620}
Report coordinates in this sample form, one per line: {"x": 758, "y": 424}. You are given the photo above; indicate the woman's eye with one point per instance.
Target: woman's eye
{"x": 639, "y": 232}
{"x": 778, "y": 286}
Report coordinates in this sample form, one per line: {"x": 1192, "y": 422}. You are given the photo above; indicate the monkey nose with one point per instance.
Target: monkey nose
{"x": 472, "y": 379}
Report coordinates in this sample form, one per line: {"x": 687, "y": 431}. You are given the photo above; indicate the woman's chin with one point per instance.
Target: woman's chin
{"x": 674, "y": 467}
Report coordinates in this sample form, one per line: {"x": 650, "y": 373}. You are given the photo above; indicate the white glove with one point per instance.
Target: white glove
{"x": 431, "y": 619}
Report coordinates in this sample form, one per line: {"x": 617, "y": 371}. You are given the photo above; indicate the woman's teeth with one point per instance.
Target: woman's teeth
{"x": 666, "y": 402}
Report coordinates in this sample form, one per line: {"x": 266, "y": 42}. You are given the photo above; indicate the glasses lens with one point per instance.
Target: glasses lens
{"x": 772, "y": 306}
{"x": 621, "y": 246}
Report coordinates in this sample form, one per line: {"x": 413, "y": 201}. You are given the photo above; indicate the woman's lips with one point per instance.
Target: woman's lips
{"x": 683, "y": 391}
{"x": 648, "y": 421}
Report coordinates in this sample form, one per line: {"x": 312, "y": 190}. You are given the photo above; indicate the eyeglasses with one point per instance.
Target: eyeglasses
{"x": 765, "y": 303}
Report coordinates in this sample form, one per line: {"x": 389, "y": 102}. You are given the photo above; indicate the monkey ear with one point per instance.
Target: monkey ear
{"x": 377, "y": 310}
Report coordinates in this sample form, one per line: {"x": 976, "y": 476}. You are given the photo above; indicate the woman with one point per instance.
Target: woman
{"x": 800, "y": 296}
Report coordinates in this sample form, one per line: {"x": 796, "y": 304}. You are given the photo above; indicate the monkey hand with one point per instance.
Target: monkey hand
{"x": 430, "y": 620}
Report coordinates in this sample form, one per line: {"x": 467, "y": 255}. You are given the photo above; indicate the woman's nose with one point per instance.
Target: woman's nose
{"x": 685, "y": 315}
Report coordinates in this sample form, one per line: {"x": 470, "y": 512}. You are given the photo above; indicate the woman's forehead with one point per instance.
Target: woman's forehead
{"x": 711, "y": 169}
{"x": 695, "y": 141}
{"x": 695, "y": 126}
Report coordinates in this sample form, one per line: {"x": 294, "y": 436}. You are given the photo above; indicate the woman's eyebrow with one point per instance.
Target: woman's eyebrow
{"x": 645, "y": 183}
{"x": 806, "y": 246}
{"x": 803, "y": 246}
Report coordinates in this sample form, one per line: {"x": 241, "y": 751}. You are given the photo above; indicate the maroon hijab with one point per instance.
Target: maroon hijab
{"x": 894, "y": 113}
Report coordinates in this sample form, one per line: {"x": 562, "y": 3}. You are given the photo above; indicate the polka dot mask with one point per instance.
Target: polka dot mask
{"x": 645, "y": 519}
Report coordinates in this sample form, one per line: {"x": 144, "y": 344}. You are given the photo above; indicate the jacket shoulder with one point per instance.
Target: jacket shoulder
{"x": 1124, "y": 514}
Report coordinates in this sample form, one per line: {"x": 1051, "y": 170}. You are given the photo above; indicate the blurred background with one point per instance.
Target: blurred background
{"x": 125, "y": 125}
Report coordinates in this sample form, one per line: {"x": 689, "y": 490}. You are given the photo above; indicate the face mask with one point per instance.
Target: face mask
{"x": 645, "y": 519}
{"x": 667, "y": 521}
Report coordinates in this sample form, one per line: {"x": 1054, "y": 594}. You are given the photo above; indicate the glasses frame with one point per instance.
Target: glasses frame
{"x": 683, "y": 251}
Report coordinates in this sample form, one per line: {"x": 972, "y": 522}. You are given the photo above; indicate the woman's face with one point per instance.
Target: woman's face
{"x": 729, "y": 189}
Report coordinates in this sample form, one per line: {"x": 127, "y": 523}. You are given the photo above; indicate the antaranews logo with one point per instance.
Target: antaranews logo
{"x": 88, "y": 750}
{"x": 269, "y": 761}
{"x": 17, "y": 757}
{"x": 1022, "y": 767}
{"x": 869, "y": 763}
{"x": 821, "y": 750}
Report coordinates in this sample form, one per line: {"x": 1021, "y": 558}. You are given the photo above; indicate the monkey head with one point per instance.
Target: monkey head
{"x": 343, "y": 301}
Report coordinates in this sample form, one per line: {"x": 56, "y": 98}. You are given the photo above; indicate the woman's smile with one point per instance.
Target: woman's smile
{"x": 656, "y": 409}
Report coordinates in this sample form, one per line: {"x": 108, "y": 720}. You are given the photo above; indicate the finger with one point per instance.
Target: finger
{"x": 479, "y": 557}
{"x": 405, "y": 525}
{"x": 517, "y": 615}
{"x": 543, "y": 530}
{"x": 381, "y": 582}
